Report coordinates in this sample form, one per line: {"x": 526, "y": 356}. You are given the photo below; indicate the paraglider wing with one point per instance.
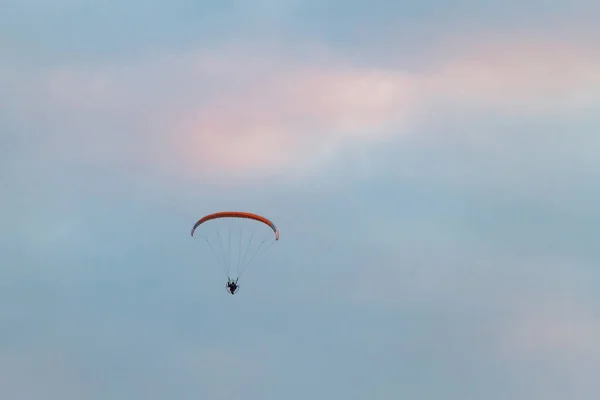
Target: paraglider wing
{"x": 236, "y": 214}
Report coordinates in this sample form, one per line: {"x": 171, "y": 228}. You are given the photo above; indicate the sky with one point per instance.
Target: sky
{"x": 432, "y": 167}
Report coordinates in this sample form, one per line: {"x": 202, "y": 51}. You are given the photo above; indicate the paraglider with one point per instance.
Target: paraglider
{"x": 230, "y": 236}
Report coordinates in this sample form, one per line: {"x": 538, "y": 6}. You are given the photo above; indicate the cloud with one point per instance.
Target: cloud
{"x": 297, "y": 115}
{"x": 553, "y": 343}
{"x": 240, "y": 113}
{"x": 301, "y": 115}
{"x": 519, "y": 75}
{"x": 554, "y": 318}
{"x": 562, "y": 336}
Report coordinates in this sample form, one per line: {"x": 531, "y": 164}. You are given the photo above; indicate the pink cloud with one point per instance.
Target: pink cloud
{"x": 297, "y": 114}
{"x": 522, "y": 75}
{"x": 542, "y": 332}
{"x": 240, "y": 113}
{"x": 301, "y": 115}
{"x": 555, "y": 346}
{"x": 558, "y": 324}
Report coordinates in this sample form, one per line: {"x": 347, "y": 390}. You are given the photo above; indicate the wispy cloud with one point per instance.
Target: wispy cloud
{"x": 561, "y": 337}
{"x": 247, "y": 113}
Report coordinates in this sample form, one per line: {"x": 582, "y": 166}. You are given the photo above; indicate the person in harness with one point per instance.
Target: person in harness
{"x": 232, "y": 286}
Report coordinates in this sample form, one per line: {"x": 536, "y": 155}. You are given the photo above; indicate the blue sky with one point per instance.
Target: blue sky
{"x": 431, "y": 167}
